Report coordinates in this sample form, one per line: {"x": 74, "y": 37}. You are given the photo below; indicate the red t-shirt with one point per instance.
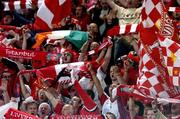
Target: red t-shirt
{"x": 83, "y": 22}
{"x": 132, "y": 76}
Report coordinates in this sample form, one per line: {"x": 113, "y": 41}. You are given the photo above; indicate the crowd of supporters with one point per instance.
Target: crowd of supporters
{"x": 93, "y": 90}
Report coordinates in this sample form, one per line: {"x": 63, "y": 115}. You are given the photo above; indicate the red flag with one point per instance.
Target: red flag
{"x": 16, "y": 114}
{"x": 50, "y": 15}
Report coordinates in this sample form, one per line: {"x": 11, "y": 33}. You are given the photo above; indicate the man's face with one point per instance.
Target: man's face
{"x": 79, "y": 12}
{"x": 93, "y": 28}
{"x": 32, "y": 108}
{"x": 44, "y": 110}
{"x": 151, "y": 114}
{"x": 76, "y": 101}
{"x": 41, "y": 95}
{"x": 104, "y": 5}
{"x": 94, "y": 45}
{"x": 6, "y": 76}
{"x": 66, "y": 57}
{"x": 7, "y": 19}
{"x": 113, "y": 70}
{"x": 67, "y": 110}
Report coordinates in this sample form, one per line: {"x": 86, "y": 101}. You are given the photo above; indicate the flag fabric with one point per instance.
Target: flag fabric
{"x": 153, "y": 77}
{"x": 152, "y": 72}
{"x": 21, "y": 4}
{"x": 26, "y": 4}
{"x": 78, "y": 38}
{"x": 6, "y": 107}
{"x": 174, "y": 9}
{"x": 153, "y": 81}
{"x": 123, "y": 29}
{"x": 171, "y": 52}
{"x": 56, "y": 116}
{"x": 167, "y": 27}
{"x": 16, "y": 114}
{"x": 154, "y": 14}
{"x": 151, "y": 12}
{"x": 91, "y": 4}
{"x": 50, "y": 15}
{"x": 53, "y": 71}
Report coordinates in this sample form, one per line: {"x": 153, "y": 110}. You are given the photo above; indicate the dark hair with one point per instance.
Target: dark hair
{"x": 141, "y": 108}
{"x": 1, "y": 9}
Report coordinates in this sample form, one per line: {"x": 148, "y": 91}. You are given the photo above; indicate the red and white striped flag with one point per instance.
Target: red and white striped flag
{"x": 50, "y": 15}
{"x": 174, "y": 9}
{"x": 21, "y": 4}
{"x": 171, "y": 54}
{"x": 123, "y": 29}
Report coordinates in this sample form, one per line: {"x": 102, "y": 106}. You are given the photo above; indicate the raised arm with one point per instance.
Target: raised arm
{"x": 95, "y": 80}
{"x": 111, "y": 3}
{"x": 107, "y": 59}
{"x": 133, "y": 40}
{"x": 131, "y": 107}
{"x": 88, "y": 102}
{"x": 54, "y": 101}
{"x": 24, "y": 91}
{"x": 4, "y": 90}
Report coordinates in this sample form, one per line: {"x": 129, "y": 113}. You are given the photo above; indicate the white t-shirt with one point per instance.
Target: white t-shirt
{"x": 129, "y": 15}
{"x": 111, "y": 107}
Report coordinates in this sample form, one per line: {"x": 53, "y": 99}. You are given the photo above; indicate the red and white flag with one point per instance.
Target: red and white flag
{"x": 21, "y": 4}
{"x": 152, "y": 73}
{"x": 50, "y": 15}
{"x": 151, "y": 12}
{"x": 123, "y": 29}
{"x": 171, "y": 54}
{"x": 53, "y": 71}
{"x": 174, "y": 9}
